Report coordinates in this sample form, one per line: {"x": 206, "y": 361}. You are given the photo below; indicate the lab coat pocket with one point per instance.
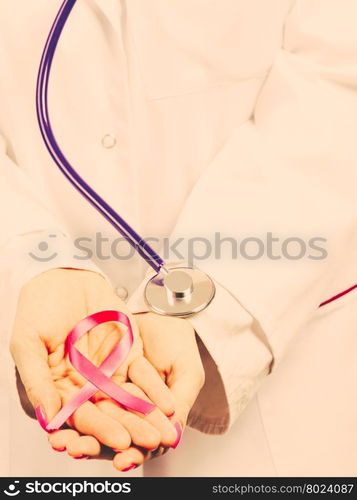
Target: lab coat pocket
{"x": 186, "y": 46}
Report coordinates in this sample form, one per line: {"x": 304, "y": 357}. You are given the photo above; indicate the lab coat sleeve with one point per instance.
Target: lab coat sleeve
{"x": 289, "y": 174}
{"x": 31, "y": 240}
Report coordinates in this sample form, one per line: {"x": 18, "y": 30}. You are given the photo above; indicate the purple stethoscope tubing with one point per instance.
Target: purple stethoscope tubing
{"x": 144, "y": 250}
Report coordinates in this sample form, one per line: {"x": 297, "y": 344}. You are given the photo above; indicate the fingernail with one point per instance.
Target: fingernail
{"x": 132, "y": 466}
{"x": 59, "y": 449}
{"x": 171, "y": 415}
{"x": 179, "y": 435}
{"x": 41, "y": 417}
{"x": 80, "y": 457}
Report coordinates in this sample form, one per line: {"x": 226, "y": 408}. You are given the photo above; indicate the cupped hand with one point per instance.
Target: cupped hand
{"x": 170, "y": 346}
{"x": 49, "y": 306}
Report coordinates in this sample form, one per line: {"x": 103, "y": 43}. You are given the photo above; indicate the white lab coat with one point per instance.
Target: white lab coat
{"x": 192, "y": 117}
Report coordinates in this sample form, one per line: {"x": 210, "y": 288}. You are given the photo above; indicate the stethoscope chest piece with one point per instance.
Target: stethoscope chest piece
{"x": 182, "y": 291}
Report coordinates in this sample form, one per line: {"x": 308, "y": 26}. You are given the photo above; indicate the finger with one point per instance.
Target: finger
{"x": 145, "y": 376}
{"x": 142, "y": 433}
{"x": 59, "y": 439}
{"x": 77, "y": 446}
{"x": 129, "y": 459}
{"x": 156, "y": 418}
{"x": 83, "y": 446}
{"x": 134, "y": 457}
{"x": 88, "y": 419}
{"x": 31, "y": 358}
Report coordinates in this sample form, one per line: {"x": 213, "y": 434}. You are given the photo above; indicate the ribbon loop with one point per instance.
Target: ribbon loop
{"x": 98, "y": 377}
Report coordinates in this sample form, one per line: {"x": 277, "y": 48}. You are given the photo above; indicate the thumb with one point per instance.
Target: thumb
{"x": 30, "y": 356}
{"x": 185, "y": 385}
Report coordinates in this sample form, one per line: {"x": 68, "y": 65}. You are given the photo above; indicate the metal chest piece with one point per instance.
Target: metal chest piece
{"x": 182, "y": 291}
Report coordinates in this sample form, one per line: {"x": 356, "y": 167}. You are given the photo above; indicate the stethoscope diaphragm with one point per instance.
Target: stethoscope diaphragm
{"x": 179, "y": 291}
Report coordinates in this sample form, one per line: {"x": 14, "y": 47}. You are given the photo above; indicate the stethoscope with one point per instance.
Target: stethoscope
{"x": 174, "y": 290}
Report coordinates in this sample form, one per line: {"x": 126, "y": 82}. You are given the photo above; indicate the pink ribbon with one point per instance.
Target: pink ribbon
{"x": 98, "y": 377}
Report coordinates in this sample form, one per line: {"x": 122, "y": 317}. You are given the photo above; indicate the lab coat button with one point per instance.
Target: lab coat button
{"x": 109, "y": 141}
{"x": 122, "y": 292}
